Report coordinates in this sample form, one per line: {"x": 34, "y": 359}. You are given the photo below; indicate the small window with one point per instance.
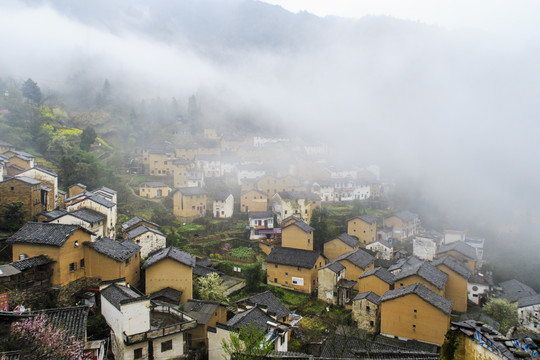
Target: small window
{"x": 368, "y": 308}
{"x": 72, "y": 267}
{"x": 137, "y": 353}
{"x": 400, "y": 284}
{"x": 299, "y": 268}
{"x": 371, "y": 323}
{"x": 286, "y": 274}
{"x": 275, "y": 265}
{"x": 415, "y": 311}
{"x": 166, "y": 345}
{"x": 275, "y": 280}
{"x": 81, "y": 263}
{"x": 12, "y": 188}
{"x": 286, "y": 283}
{"x": 414, "y": 327}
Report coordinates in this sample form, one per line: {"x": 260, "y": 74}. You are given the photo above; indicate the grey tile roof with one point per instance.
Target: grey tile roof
{"x": 370, "y": 219}
{"x": 297, "y": 195}
{"x": 383, "y": 243}
{"x": 26, "y": 179}
{"x": 116, "y": 250}
{"x": 334, "y": 266}
{"x": 31, "y": 262}
{"x": 200, "y": 270}
{"x": 358, "y": 257}
{"x": 268, "y": 299}
{"x": 404, "y": 263}
{"x": 460, "y": 247}
{"x": 106, "y": 189}
{"x": 6, "y": 144}
{"x": 154, "y": 184}
{"x": 100, "y": 200}
{"x": 350, "y": 240}
{"x": 260, "y": 214}
{"x": 72, "y": 319}
{"x": 134, "y": 221}
{"x": 201, "y": 310}
{"x": 78, "y": 184}
{"x": 253, "y": 316}
{"x": 191, "y": 191}
{"x": 381, "y": 273}
{"x": 529, "y": 301}
{"x": 424, "y": 293}
{"x": 427, "y": 272}
{"x": 43, "y": 170}
{"x": 170, "y": 253}
{"x": 141, "y": 229}
{"x": 8, "y": 270}
{"x": 293, "y": 257}
{"x": 453, "y": 264}
{"x": 54, "y": 214}
{"x": 204, "y": 262}
{"x": 44, "y": 234}
{"x": 302, "y": 225}
{"x": 370, "y": 296}
{"x": 222, "y": 195}
{"x": 119, "y": 294}
{"x": 88, "y": 215}
{"x": 513, "y": 290}
{"x": 168, "y": 295}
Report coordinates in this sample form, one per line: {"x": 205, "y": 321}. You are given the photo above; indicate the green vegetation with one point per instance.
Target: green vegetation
{"x": 241, "y": 253}
{"x": 248, "y": 344}
{"x": 502, "y": 311}
{"x": 211, "y": 288}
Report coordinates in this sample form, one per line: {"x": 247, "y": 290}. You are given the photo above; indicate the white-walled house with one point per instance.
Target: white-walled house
{"x": 46, "y": 177}
{"x": 425, "y": 247}
{"x": 259, "y": 221}
{"x": 89, "y": 200}
{"x": 87, "y": 218}
{"x": 223, "y": 206}
{"x": 107, "y": 193}
{"x": 383, "y": 248}
{"x": 529, "y": 312}
{"x": 148, "y": 238}
{"x": 137, "y": 324}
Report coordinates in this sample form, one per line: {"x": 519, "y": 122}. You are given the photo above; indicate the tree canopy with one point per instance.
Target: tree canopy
{"x": 502, "y": 311}
{"x": 211, "y": 288}
{"x": 248, "y": 344}
{"x": 31, "y": 91}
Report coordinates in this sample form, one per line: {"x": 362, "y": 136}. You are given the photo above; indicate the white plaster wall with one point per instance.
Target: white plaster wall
{"x": 149, "y": 242}
{"x": 177, "y": 347}
{"x": 215, "y": 349}
{"x": 136, "y": 317}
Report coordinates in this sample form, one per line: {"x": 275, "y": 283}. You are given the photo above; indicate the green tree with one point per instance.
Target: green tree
{"x": 14, "y": 216}
{"x": 248, "y": 344}
{"x": 318, "y": 221}
{"x": 253, "y": 276}
{"x": 503, "y": 312}
{"x": 31, "y": 91}
{"x": 211, "y": 288}
{"x": 88, "y": 137}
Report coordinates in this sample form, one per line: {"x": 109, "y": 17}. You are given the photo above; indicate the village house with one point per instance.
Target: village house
{"x": 26, "y": 190}
{"x": 89, "y": 219}
{"x": 271, "y": 185}
{"x": 32, "y": 274}
{"x": 378, "y": 280}
{"x": 356, "y": 262}
{"x": 451, "y": 236}
{"x": 249, "y": 171}
{"x": 61, "y": 243}
{"x": 20, "y": 159}
{"x": 148, "y": 238}
{"x": 479, "y": 287}
{"x": 76, "y": 189}
{"x": 404, "y": 224}
{"x": 325, "y": 190}
{"x": 135, "y": 222}
{"x": 180, "y": 170}
{"x": 423, "y": 314}
{"x": 207, "y": 314}
{"x": 253, "y": 200}
{"x": 364, "y": 227}
{"x": 105, "y": 192}
{"x": 154, "y": 190}
{"x": 170, "y": 268}
{"x": 404, "y": 262}
{"x": 108, "y": 259}
{"x": 425, "y": 246}
{"x": 341, "y": 244}
{"x": 366, "y": 311}
{"x": 297, "y": 235}
{"x": 333, "y": 287}
{"x": 61, "y": 199}
{"x": 456, "y": 285}
{"x": 48, "y": 179}
{"x": 195, "y": 178}
{"x": 528, "y": 309}
{"x": 89, "y": 200}
{"x": 385, "y": 233}
{"x": 513, "y": 290}
{"x": 383, "y": 249}
{"x": 160, "y": 162}
{"x": 141, "y": 329}
{"x": 189, "y": 202}
{"x": 424, "y": 273}
{"x": 261, "y": 224}
{"x": 269, "y": 302}
{"x": 210, "y": 165}
{"x": 296, "y": 203}
{"x": 275, "y": 332}
{"x": 13, "y": 170}
{"x": 223, "y": 206}
{"x": 293, "y": 269}
{"x": 4, "y": 146}
{"x": 461, "y": 251}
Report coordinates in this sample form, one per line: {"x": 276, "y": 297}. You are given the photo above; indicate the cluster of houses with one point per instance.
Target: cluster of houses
{"x": 236, "y": 161}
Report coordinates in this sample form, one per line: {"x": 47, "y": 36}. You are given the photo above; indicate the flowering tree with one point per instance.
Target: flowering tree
{"x": 44, "y": 341}
{"x": 211, "y": 288}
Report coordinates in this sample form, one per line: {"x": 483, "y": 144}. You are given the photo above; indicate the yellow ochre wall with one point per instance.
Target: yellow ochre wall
{"x": 253, "y": 201}
{"x": 335, "y": 248}
{"x": 309, "y": 275}
{"x": 398, "y": 318}
{"x": 294, "y": 237}
{"x": 456, "y": 289}
{"x": 105, "y": 268}
{"x": 170, "y": 273}
{"x": 373, "y": 283}
{"x": 352, "y": 271}
{"x": 365, "y": 232}
{"x": 417, "y": 279}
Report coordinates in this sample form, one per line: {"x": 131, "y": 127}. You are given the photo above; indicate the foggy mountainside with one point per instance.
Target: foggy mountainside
{"x": 450, "y": 115}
